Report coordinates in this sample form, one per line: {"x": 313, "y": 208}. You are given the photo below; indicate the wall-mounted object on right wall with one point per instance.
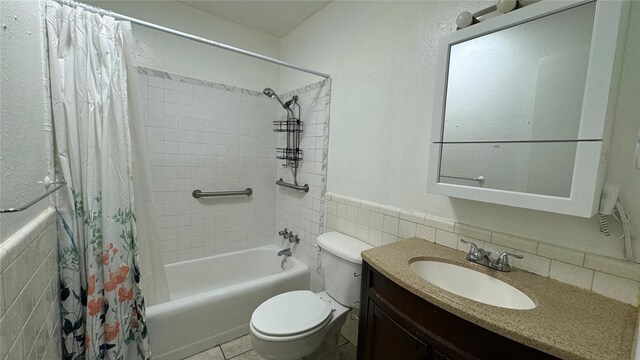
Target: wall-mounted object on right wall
{"x": 526, "y": 100}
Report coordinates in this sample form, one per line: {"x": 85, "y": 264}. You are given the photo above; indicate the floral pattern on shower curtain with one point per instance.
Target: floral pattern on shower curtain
{"x": 102, "y": 307}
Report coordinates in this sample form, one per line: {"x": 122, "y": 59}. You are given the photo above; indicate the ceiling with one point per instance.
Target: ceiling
{"x": 275, "y": 18}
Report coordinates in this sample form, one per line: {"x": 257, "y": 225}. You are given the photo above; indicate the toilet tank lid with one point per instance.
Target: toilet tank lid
{"x": 343, "y": 246}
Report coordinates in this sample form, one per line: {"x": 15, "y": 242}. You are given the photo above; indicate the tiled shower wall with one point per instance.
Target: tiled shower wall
{"x": 299, "y": 212}
{"x": 209, "y": 136}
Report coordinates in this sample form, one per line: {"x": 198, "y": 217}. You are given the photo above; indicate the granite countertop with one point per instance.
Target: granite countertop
{"x": 568, "y": 322}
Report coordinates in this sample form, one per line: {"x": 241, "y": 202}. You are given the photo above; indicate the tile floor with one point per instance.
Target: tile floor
{"x": 240, "y": 349}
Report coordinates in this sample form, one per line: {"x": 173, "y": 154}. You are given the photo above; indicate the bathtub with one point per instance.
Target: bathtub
{"x": 212, "y": 299}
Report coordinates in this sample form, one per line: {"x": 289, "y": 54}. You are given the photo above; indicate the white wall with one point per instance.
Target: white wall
{"x": 24, "y": 110}
{"x": 381, "y": 56}
{"x": 162, "y": 51}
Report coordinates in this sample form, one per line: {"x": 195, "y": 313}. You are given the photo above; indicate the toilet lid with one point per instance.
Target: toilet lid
{"x": 290, "y": 313}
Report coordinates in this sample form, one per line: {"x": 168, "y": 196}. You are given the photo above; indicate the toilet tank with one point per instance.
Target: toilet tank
{"x": 339, "y": 260}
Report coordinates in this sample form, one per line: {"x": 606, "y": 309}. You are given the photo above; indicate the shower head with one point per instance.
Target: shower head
{"x": 270, "y": 93}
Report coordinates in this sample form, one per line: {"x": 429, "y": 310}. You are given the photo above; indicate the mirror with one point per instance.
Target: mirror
{"x": 516, "y": 85}
{"x": 521, "y": 105}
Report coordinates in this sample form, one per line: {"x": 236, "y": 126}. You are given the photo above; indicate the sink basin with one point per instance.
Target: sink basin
{"x": 472, "y": 284}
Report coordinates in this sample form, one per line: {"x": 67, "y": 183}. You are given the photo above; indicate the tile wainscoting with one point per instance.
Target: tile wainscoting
{"x": 29, "y": 307}
{"x": 378, "y": 224}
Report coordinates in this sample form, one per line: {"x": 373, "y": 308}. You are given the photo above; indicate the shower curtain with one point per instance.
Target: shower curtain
{"x": 109, "y": 251}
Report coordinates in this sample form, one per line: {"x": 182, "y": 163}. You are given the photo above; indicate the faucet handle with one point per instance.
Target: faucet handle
{"x": 475, "y": 253}
{"x": 502, "y": 262}
{"x": 474, "y": 247}
{"x": 282, "y": 232}
{"x": 295, "y": 239}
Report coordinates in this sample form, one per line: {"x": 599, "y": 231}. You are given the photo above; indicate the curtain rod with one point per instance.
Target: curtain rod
{"x": 199, "y": 39}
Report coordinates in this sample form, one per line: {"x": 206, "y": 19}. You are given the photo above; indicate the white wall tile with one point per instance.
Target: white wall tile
{"x": 390, "y": 225}
{"x": 352, "y": 213}
{"x": 210, "y": 143}
{"x": 611, "y": 266}
{"x": 406, "y": 229}
{"x": 447, "y": 239}
{"x": 571, "y": 274}
{"x": 613, "y": 278}
{"x": 472, "y": 231}
{"x": 376, "y": 220}
{"x": 624, "y": 290}
{"x": 561, "y": 253}
{"x": 412, "y": 216}
{"x": 439, "y": 223}
{"x": 30, "y": 307}
{"x": 307, "y": 213}
{"x": 388, "y": 238}
{"x": 363, "y": 216}
{"x": 515, "y": 242}
{"x": 425, "y": 232}
{"x": 389, "y": 211}
{"x": 375, "y": 237}
{"x": 532, "y": 263}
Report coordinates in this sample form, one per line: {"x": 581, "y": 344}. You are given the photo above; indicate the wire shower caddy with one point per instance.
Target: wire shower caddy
{"x": 293, "y": 128}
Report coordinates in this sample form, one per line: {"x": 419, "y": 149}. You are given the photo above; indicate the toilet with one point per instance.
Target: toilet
{"x": 304, "y": 325}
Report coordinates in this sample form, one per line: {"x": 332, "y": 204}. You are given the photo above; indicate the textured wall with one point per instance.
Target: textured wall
{"x": 24, "y": 110}
{"x": 158, "y": 50}
{"x": 382, "y": 59}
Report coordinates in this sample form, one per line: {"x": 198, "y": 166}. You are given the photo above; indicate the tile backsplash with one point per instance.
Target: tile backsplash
{"x": 29, "y": 307}
{"x": 378, "y": 224}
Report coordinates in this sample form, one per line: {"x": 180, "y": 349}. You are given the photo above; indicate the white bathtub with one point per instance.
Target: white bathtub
{"x": 212, "y": 299}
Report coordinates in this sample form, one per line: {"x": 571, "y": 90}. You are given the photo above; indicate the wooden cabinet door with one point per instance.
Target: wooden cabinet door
{"x": 389, "y": 341}
{"x": 398, "y": 325}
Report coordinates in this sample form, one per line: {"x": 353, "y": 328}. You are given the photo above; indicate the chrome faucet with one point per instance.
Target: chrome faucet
{"x": 476, "y": 254}
{"x": 285, "y": 252}
{"x": 502, "y": 262}
{"x": 483, "y": 257}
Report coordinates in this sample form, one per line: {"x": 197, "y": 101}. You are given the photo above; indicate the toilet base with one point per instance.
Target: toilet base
{"x": 328, "y": 350}
{"x": 319, "y": 346}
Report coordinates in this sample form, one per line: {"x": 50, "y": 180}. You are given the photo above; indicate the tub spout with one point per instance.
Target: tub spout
{"x": 285, "y": 252}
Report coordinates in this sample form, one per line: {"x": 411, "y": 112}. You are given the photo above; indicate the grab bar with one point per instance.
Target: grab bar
{"x": 304, "y": 187}
{"x": 24, "y": 207}
{"x": 479, "y": 179}
{"x": 198, "y": 194}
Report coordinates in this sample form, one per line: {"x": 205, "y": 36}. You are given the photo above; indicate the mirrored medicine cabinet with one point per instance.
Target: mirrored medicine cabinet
{"x": 524, "y": 104}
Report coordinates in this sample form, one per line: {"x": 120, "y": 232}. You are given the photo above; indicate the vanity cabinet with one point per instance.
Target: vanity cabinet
{"x": 396, "y": 324}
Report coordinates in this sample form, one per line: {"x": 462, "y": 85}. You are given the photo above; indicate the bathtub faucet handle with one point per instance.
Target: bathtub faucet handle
{"x": 288, "y": 235}
{"x": 282, "y": 232}
{"x": 296, "y": 239}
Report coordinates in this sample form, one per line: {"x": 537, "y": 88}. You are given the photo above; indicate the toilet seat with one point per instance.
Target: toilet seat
{"x": 290, "y": 314}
